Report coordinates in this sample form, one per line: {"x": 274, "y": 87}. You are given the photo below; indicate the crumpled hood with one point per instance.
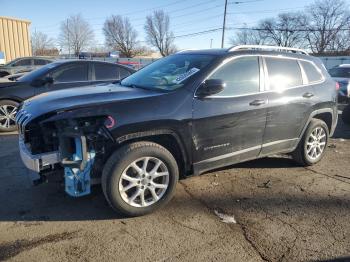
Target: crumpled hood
{"x": 79, "y": 97}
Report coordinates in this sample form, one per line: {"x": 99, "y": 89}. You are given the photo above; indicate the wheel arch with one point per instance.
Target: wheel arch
{"x": 326, "y": 115}
{"x": 169, "y": 139}
{"x": 13, "y": 98}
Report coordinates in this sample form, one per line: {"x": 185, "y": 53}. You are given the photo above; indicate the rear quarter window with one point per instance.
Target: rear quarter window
{"x": 283, "y": 73}
{"x": 313, "y": 74}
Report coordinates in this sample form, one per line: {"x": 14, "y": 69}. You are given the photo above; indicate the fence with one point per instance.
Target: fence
{"x": 332, "y": 61}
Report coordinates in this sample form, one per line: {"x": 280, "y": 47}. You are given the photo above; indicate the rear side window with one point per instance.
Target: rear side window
{"x": 283, "y": 73}
{"x": 71, "y": 73}
{"x": 123, "y": 72}
{"x": 240, "y": 75}
{"x": 41, "y": 62}
{"x": 106, "y": 72}
{"x": 312, "y": 73}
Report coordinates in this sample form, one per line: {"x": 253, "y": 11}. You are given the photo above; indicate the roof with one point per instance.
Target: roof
{"x": 15, "y": 19}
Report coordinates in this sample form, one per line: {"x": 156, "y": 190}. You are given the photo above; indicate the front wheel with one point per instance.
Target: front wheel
{"x": 8, "y": 111}
{"x": 139, "y": 178}
{"x": 313, "y": 144}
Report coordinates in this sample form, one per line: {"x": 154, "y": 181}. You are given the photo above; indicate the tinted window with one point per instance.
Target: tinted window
{"x": 71, "y": 73}
{"x": 23, "y": 62}
{"x": 106, "y": 72}
{"x": 340, "y": 72}
{"x": 283, "y": 73}
{"x": 41, "y": 62}
{"x": 169, "y": 73}
{"x": 312, "y": 73}
{"x": 123, "y": 72}
{"x": 240, "y": 75}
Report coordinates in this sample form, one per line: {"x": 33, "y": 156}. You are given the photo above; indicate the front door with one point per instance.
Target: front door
{"x": 228, "y": 127}
{"x": 67, "y": 76}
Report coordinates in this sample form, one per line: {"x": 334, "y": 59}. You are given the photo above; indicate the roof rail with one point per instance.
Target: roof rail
{"x": 184, "y": 50}
{"x": 267, "y": 47}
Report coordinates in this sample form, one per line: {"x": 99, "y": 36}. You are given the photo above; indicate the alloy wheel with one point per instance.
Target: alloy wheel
{"x": 316, "y": 143}
{"x": 7, "y": 116}
{"x": 144, "y": 182}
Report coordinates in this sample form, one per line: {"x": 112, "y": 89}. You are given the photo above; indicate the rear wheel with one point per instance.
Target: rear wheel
{"x": 313, "y": 144}
{"x": 139, "y": 178}
{"x": 8, "y": 111}
{"x": 346, "y": 115}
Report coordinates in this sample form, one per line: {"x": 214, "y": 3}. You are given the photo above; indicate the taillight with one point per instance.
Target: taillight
{"x": 337, "y": 86}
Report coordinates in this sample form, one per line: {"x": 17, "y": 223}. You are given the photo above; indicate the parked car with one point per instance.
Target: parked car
{"x": 23, "y": 64}
{"x": 55, "y": 76}
{"x": 182, "y": 115}
{"x": 341, "y": 74}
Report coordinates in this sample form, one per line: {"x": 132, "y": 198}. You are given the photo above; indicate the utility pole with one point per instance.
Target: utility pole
{"x": 211, "y": 43}
{"x": 68, "y": 39}
{"x": 223, "y": 26}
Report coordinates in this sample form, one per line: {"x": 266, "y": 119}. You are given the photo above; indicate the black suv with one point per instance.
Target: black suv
{"x": 185, "y": 114}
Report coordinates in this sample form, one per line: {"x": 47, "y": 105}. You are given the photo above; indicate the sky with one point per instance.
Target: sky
{"x": 186, "y": 17}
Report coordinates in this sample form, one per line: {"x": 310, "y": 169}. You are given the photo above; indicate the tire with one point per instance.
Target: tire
{"x": 120, "y": 169}
{"x": 346, "y": 115}
{"x": 304, "y": 154}
{"x": 8, "y": 110}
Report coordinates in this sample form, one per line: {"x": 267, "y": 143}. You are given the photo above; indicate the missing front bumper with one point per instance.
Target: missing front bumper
{"x": 38, "y": 162}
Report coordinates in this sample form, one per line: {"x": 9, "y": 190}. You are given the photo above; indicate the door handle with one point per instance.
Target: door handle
{"x": 308, "y": 95}
{"x": 257, "y": 102}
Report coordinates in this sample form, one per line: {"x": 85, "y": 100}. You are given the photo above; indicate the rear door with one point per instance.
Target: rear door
{"x": 290, "y": 102}
{"x": 228, "y": 127}
{"x": 106, "y": 72}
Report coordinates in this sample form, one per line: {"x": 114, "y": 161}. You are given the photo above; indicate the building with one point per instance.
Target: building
{"x": 14, "y": 38}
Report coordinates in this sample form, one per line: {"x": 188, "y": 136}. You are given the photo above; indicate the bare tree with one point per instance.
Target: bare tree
{"x": 41, "y": 42}
{"x": 76, "y": 34}
{"x": 326, "y": 18}
{"x": 158, "y": 32}
{"x": 120, "y": 35}
{"x": 284, "y": 30}
{"x": 247, "y": 36}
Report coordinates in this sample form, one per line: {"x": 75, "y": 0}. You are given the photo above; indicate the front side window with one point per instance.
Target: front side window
{"x": 283, "y": 73}
{"x": 240, "y": 75}
{"x": 23, "y": 62}
{"x": 168, "y": 73}
{"x": 106, "y": 72}
{"x": 71, "y": 73}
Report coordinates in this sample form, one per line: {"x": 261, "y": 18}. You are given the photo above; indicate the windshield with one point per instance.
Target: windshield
{"x": 340, "y": 72}
{"x": 37, "y": 73}
{"x": 168, "y": 73}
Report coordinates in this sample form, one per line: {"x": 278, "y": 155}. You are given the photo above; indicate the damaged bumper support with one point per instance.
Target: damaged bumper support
{"x": 77, "y": 165}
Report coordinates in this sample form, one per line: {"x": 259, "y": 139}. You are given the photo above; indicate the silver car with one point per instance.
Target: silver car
{"x": 341, "y": 74}
{"x": 23, "y": 64}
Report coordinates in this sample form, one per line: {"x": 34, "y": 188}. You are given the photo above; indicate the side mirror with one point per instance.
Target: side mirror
{"x": 211, "y": 87}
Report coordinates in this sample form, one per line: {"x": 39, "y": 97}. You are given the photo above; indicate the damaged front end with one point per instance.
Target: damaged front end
{"x": 74, "y": 148}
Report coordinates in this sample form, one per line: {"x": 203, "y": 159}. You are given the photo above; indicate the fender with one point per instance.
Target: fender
{"x": 186, "y": 156}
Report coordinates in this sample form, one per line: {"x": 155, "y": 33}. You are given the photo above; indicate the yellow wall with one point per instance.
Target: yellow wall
{"x": 14, "y": 38}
